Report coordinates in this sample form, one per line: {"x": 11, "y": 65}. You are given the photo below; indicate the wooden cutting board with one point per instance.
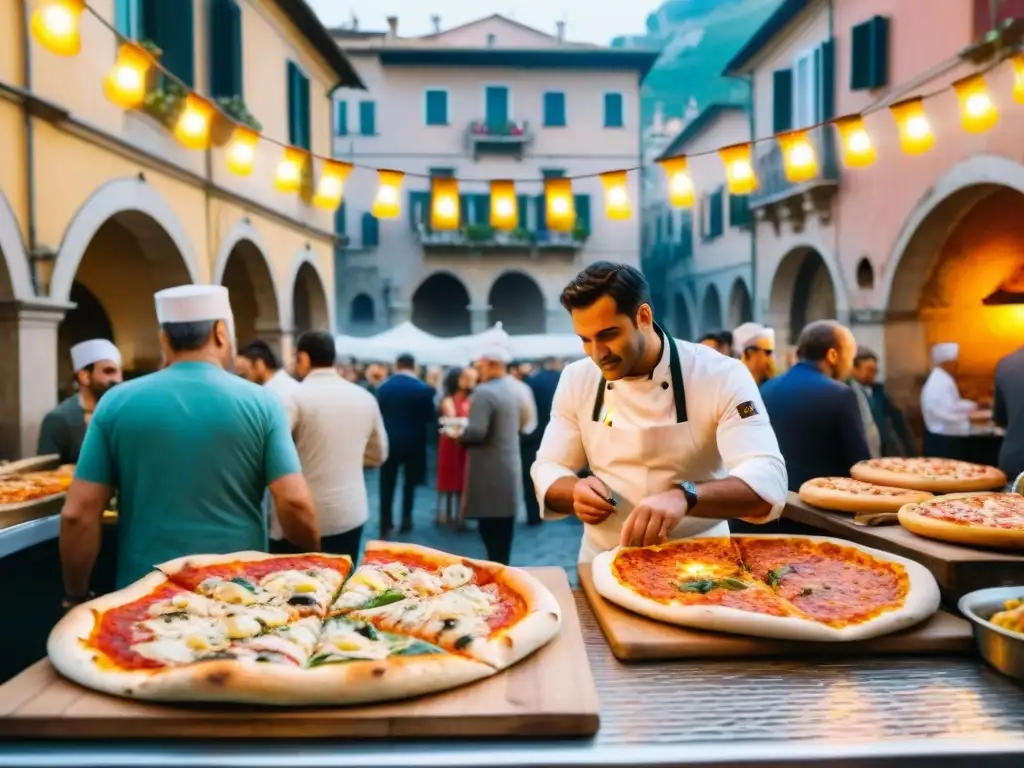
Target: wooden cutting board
{"x": 957, "y": 568}
{"x": 551, "y": 693}
{"x": 633, "y": 637}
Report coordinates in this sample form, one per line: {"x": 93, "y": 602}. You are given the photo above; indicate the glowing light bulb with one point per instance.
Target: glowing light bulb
{"x": 858, "y": 150}
{"x": 560, "y": 206}
{"x": 385, "y": 202}
{"x": 446, "y": 206}
{"x": 504, "y": 211}
{"x": 193, "y": 127}
{"x": 388, "y": 195}
{"x": 504, "y": 207}
{"x": 917, "y": 127}
{"x": 56, "y": 24}
{"x": 860, "y": 141}
{"x": 915, "y": 131}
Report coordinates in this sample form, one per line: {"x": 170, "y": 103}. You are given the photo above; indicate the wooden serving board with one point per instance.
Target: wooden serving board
{"x": 549, "y": 694}
{"x": 957, "y": 568}
{"x": 633, "y": 637}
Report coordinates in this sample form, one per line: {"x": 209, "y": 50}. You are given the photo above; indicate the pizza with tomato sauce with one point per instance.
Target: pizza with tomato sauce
{"x": 927, "y": 474}
{"x": 844, "y": 494}
{"x": 304, "y": 629}
{"x": 981, "y": 519}
{"x": 28, "y": 487}
{"x": 785, "y": 587}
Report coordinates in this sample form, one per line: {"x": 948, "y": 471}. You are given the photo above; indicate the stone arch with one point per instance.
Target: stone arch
{"x": 142, "y": 210}
{"x": 865, "y": 274}
{"x": 682, "y": 323}
{"x": 309, "y": 306}
{"x": 517, "y": 303}
{"x": 711, "y": 310}
{"x": 740, "y": 305}
{"x": 802, "y": 291}
{"x": 440, "y": 305}
{"x": 243, "y": 268}
{"x": 362, "y": 310}
{"x": 15, "y": 279}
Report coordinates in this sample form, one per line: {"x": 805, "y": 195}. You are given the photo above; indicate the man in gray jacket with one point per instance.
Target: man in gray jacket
{"x": 494, "y": 467}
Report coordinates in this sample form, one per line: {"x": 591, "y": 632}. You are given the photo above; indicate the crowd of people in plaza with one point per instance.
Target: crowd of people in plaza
{"x": 645, "y": 438}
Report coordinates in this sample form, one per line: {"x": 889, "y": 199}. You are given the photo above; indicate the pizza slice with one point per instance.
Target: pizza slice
{"x": 826, "y": 582}
{"x": 346, "y": 639}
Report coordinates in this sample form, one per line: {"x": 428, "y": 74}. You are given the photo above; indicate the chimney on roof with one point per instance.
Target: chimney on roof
{"x": 392, "y": 26}
{"x": 560, "y": 26}
{"x": 436, "y": 21}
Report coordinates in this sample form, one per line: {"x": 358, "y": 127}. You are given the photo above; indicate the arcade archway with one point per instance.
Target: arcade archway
{"x": 248, "y": 278}
{"x": 518, "y": 304}
{"x": 441, "y": 306}
{"x": 711, "y": 311}
{"x": 740, "y": 309}
{"x": 310, "y": 311}
{"x": 802, "y": 292}
{"x": 682, "y": 326}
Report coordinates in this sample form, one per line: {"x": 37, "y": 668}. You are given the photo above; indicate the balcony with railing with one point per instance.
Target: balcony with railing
{"x": 774, "y": 187}
{"x": 509, "y": 137}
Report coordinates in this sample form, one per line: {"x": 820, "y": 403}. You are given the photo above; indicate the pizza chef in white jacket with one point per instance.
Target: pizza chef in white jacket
{"x": 675, "y": 434}
{"x": 947, "y": 416}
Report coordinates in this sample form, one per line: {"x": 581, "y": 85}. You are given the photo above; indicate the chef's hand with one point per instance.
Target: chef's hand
{"x": 590, "y": 501}
{"x": 653, "y": 519}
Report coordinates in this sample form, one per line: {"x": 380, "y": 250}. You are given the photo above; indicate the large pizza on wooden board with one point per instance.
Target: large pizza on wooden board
{"x": 981, "y": 519}
{"x": 785, "y": 587}
{"x": 844, "y": 494}
{"x": 926, "y": 474}
{"x": 304, "y": 630}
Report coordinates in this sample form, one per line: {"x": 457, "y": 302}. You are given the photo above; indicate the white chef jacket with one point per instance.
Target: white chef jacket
{"x": 718, "y": 390}
{"x": 338, "y": 430}
{"x": 527, "y": 405}
{"x": 944, "y": 411}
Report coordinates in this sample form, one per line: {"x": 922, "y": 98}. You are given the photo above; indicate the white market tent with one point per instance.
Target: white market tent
{"x": 459, "y": 350}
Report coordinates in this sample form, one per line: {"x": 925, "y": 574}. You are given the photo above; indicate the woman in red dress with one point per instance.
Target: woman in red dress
{"x": 451, "y": 454}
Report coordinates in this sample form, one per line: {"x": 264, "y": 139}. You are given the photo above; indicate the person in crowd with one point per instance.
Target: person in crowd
{"x": 376, "y": 374}
{"x": 258, "y": 363}
{"x": 451, "y": 454}
{"x": 542, "y": 383}
{"x": 97, "y": 366}
{"x": 674, "y": 434}
{"x": 756, "y": 347}
{"x": 527, "y": 416}
{"x": 492, "y": 439}
{"x": 725, "y": 343}
{"x": 815, "y": 414}
{"x": 895, "y": 438}
{"x": 947, "y": 416}
{"x": 189, "y": 450}
{"x": 1008, "y": 412}
{"x": 338, "y": 430}
{"x": 407, "y": 405}
{"x": 712, "y": 340}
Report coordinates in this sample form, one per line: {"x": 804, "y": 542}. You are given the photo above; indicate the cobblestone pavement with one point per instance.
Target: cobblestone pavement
{"x": 550, "y": 543}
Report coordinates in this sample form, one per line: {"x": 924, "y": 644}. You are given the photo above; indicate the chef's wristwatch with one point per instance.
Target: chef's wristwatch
{"x": 689, "y": 493}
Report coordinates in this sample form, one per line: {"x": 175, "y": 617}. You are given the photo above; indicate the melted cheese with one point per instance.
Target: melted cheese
{"x": 447, "y": 617}
{"x": 342, "y": 639}
{"x": 230, "y": 592}
{"x": 456, "y": 575}
{"x": 169, "y": 651}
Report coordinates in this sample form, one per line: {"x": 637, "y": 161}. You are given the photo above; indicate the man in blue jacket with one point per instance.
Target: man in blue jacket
{"x": 815, "y": 415}
{"x": 407, "y": 406}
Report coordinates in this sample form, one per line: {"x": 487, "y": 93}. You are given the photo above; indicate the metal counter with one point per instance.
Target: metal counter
{"x": 894, "y": 711}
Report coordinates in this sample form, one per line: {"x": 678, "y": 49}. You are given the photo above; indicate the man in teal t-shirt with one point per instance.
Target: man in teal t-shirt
{"x": 190, "y": 451}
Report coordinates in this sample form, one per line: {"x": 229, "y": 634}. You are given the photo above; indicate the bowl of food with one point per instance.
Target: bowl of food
{"x": 997, "y": 616}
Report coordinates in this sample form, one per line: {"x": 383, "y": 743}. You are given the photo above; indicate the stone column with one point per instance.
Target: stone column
{"x": 478, "y": 317}
{"x": 28, "y": 388}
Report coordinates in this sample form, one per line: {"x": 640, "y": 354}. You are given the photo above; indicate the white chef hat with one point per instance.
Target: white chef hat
{"x": 496, "y": 351}
{"x": 88, "y": 352}
{"x": 945, "y": 353}
{"x": 193, "y": 304}
{"x": 745, "y": 335}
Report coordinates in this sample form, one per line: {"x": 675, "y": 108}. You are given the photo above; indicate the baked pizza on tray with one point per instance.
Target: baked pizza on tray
{"x": 785, "y": 587}
{"x": 981, "y": 519}
{"x": 844, "y": 494}
{"x": 925, "y": 474}
{"x": 304, "y": 629}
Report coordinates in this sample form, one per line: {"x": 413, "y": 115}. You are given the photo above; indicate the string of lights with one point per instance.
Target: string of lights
{"x": 202, "y": 123}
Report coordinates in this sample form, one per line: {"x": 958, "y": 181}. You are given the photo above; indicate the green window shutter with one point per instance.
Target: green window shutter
{"x": 341, "y": 118}
{"x": 716, "y": 225}
{"x": 441, "y": 173}
{"x": 371, "y": 231}
{"x": 307, "y": 122}
{"x": 582, "y": 203}
{"x": 542, "y": 213}
{"x": 419, "y": 209}
{"x": 552, "y": 173}
{"x": 825, "y": 71}
{"x": 782, "y": 100}
{"x": 878, "y": 57}
{"x": 482, "y": 209}
{"x": 523, "y": 204}
{"x": 464, "y": 210}
{"x": 339, "y": 219}
{"x": 860, "y": 57}
{"x": 437, "y": 108}
{"x": 224, "y": 45}
{"x": 298, "y": 107}
{"x": 367, "y": 118}
{"x": 171, "y": 27}
{"x": 554, "y": 109}
{"x": 613, "y": 117}
{"x": 739, "y": 210}
{"x": 126, "y": 18}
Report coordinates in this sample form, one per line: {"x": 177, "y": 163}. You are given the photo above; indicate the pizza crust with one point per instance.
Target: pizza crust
{"x": 958, "y": 533}
{"x": 922, "y": 601}
{"x": 173, "y": 567}
{"x": 991, "y": 480}
{"x": 844, "y": 501}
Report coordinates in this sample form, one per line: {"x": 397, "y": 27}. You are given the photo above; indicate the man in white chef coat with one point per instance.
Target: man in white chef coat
{"x": 755, "y": 345}
{"x": 675, "y": 434}
{"x": 947, "y": 416}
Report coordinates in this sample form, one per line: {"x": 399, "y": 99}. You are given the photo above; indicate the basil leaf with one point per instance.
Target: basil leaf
{"x": 387, "y": 597}
{"x": 733, "y": 584}
{"x": 244, "y": 583}
{"x": 775, "y": 575}
{"x": 699, "y": 585}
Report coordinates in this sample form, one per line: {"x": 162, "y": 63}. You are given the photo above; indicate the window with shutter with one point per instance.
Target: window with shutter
{"x": 523, "y": 204}
{"x": 371, "y": 231}
{"x": 298, "y": 107}
{"x": 582, "y": 213}
{"x": 826, "y": 79}
{"x": 465, "y": 210}
{"x": 554, "y": 109}
{"x": 552, "y": 173}
{"x": 367, "y": 118}
{"x": 341, "y": 118}
{"x": 482, "y": 209}
{"x": 126, "y": 18}
{"x": 441, "y": 173}
{"x": 716, "y": 214}
{"x": 437, "y": 107}
{"x": 869, "y": 54}
{"x": 782, "y": 100}
{"x": 613, "y": 112}
{"x": 340, "y": 220}
{"x": 419, "y": 209}
{"x": 224, "y": 48}
{"x": 739, "y": 210}
{"x": 879, "y": 67}
{"x": 171, "y": 27}
{"x": 539, "y": 205}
